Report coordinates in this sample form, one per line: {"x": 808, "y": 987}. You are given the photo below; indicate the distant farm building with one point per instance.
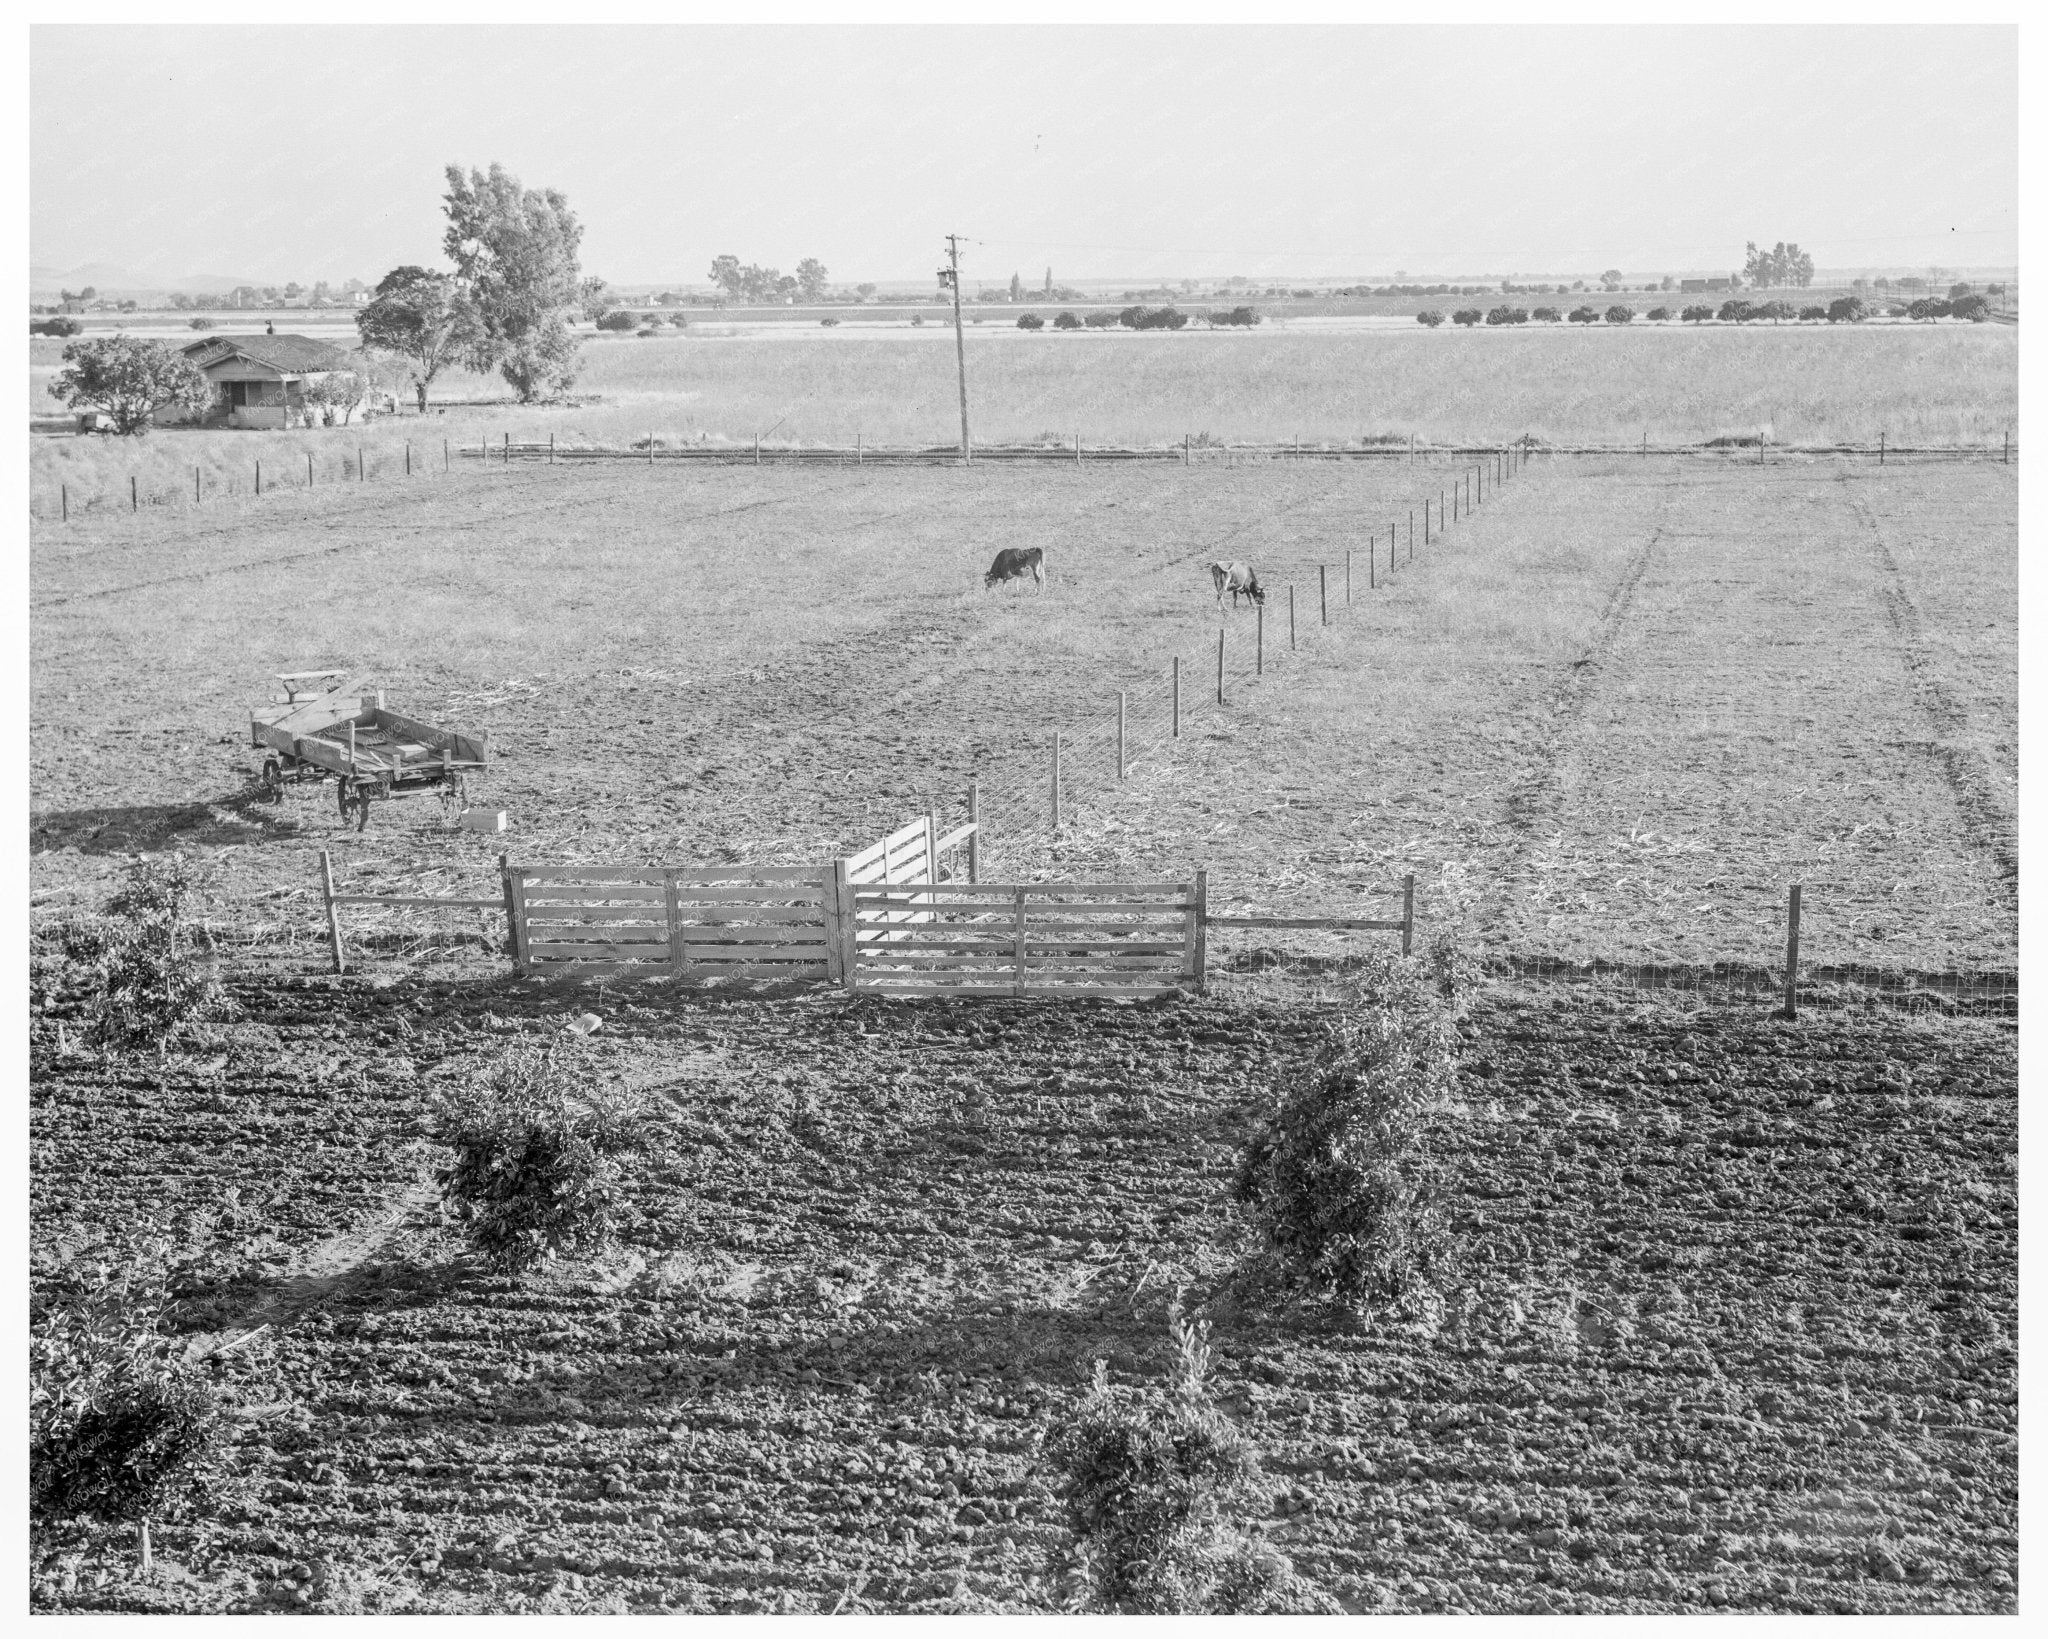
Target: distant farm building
{"x": 261, "y": 381}
{"x": 1706, "y": 284}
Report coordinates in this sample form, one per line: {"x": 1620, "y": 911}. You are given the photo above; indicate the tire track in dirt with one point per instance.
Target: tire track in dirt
{"x": 1539, "y": 799}
{"x": 1989, "y": 823}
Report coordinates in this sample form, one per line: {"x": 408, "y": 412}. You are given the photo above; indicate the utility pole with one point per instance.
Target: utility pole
{"x": 950, "y": 275}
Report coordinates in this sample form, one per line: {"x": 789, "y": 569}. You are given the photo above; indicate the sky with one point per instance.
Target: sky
{"x": 317, "y": 152}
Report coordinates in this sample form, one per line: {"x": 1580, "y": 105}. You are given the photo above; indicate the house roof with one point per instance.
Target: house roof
{"x": 293, "y": 355}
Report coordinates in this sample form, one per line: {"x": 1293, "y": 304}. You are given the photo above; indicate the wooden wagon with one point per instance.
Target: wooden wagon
{"x": 329, "y": 727}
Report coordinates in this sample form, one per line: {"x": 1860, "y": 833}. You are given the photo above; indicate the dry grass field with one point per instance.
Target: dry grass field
{"x": 1732, "y": 1319}
{"x": 1937, "y": 385}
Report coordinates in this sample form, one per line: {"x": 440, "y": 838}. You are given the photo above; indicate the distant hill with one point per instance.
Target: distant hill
{"x": 110, "y": 279}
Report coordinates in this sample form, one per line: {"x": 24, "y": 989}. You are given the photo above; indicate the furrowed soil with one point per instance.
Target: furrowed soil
{"x": 1732, "y": 1321}
{"x": 1733, "y": 1316}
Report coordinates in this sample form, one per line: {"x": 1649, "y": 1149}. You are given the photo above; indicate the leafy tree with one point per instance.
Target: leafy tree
{"x": 785, "y": 286}
{"x": 1583, "y": 314}
{"x": 1505, "y": 314}
{"x": 619, "y": 318}
{"x": 1974, "y": 308}
{"x": 866, "y": 292}
{"x": 1957, "y": 291}
{"x": 1611, "y": 279}
{"x": 1776, "y": 311}
{"x": 1926, "y": 307}
{"x": 1546, "y": 315}
{"x": 1429, "y": 316}
{"x": 1845, "y": 310}
{"x": 129, "y": 380}
{"x": 1016, "y": 288}
{"x": 424, "y": 318}
{"x": 811, "y": 276}
{"x": 1030, "y": 321}
{"x": 1658, "y": 314}
{"x": 1697, "y": 313}
{"x": 59, "y": 326}
{"x": 1782, "y": 265}
{"x": 514, "y": 250}
{"x": 726, "y": 274}
{"x": 1467, "y": 316}
{"x": 1620, "y": 313}
{"x": 1736, "y": 311}
{"x": 1813, "y": 313}
{"x": 1065, "y": 321}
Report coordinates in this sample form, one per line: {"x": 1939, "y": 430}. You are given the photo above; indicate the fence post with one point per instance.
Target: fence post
{"x": 931, "y": 846}
{"x": 64, "y": 500}
{"x": 2008, "y": 446}
{"x": 1372, "y": 560}
{"x": 508, "y": 449}
{"x": 678, "y": 951}
{"x": 1017, "y": 937}
{"x": 1187, "y": 450}
{"x": 1407, "y": 914}
{"x": 1323, "y": 589}
{"x": 1077, "y": 449}
{"x": 363, "y": 467}
{"x": 447, "y": 463}
{"x": 1425, "y": 527}
{"x": 845, "y": 926}
{"x": 1792, "y": 954}
{"x": 1411, "y": 538}
{"x": 408, "y": 458}
{"x": 1259, "y": 616}
{"x": 757, "y": 449}
{"x": 1198, "y": 913}
{"x": 1290, "y": 617}
{"x": 650, "y": 447}
{"x": 551, "y": 449}
{"x": 1176, "y": 697}
{"x": 856, "y": 447}
{"x": 333, "y": 916}
{"x": 1055, "y": 783}
{"x": 515, "y": 914}
{"x": 974, "y": 836}
{"x": 309, "y": 469}
{"x": 1219, "y": 665}
{"x": 1123, "y": 701}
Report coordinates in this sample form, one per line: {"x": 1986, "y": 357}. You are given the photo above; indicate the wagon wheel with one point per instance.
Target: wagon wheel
{"x": 273, "y": 779}
{"x": 343, "y": 799}
{"x": 354, "y": 802}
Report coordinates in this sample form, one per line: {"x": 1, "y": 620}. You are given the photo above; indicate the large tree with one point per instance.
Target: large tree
{"x": 129, "y": 380}
{"x": 811, "y": 275}
{"x": 727, "y": 275}
{"x": 514, "y": 250}
{"x": 424, "y": 318}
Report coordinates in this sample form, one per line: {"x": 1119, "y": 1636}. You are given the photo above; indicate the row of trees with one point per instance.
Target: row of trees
{"x": 755, "y": 283}
{"x": 1778, "y": 267}
{"x": 1843, "y": 310}
{"x": 1142, "y": 318}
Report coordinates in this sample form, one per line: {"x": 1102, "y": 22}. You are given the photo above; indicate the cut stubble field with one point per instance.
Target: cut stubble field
{"x": 1732, "y": 1320}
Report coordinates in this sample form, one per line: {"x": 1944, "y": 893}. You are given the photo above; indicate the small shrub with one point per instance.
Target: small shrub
{"x": 1658, "y": 314}
{"x": 1505, "y": 314}
{"x": 1736, "y": 311}
{"x": 1620, "y": 313}
{"x": 54, "y": 327}
{"x": 201, "y": 324}
{"x": 1467, "y": 316}
{"x": 536, "y": 1169}
{"x": 1243, "y": 317}
{"x": 1102, "y": 321}
{"x": 618, "y": 319}
{"x": 1846, "y": 310}
{"x": 1429, "y": 316}
{"x": 1546, "y": 315}
{"x": 828, "y": 321}
{"x": 121, "y": 1426}
{"x": 1974, "y": 308}
{"x": 1065, "y": 321}
{"x": 1336, "y": 1181}
{"x": 1030, "y": 321}
{"x": 1155, "y": 1484}
{"x": 144, "y": 981}
{"x": 1697, "y": 313}
{"x": 1813, "y": 313}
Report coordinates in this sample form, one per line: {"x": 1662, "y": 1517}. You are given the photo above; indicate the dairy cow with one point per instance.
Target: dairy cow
{"x": 1236, "y": 578}
{"x": 1014, "y": 563}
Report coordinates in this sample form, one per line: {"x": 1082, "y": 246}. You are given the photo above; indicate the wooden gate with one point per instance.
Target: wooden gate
{"x": 687, "y": 922}
{"x": 1022, "y": 938}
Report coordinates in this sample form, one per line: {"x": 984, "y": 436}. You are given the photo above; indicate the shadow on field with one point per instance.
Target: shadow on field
{"x": 238, "y": 818}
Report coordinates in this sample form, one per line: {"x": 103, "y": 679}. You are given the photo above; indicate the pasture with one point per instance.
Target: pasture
{"x": 1734, "y": 1316}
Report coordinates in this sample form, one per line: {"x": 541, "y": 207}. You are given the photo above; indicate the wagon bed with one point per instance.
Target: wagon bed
{"x": 329, "y": 726}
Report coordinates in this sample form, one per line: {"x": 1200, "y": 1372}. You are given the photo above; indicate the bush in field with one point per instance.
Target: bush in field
{"x": 1336, "y": 1180}
{"x": 1156, "y": 1483}
{"x": 54, "y": 327}
{"x": 129, "y": 381}
{"x": 537, "y": 1167}
{"x": 1736, "y": 311}
{"x": 1242, "y": 317}
{"x": 618, "y": 319}
{"x": 1467, "y": 316}
{"x": 121, "y": 1426}
{"x": 202, "y": 324}
{"x": 1546, "y": 315}
{"x": 1152, "y": 318}
{"x": 1065, "y": 321}
{"x": 1813, "y": 313}
{"x": 1846, "y": 310}
{"x": 1697, "y": 313}
{"x": 1429, "y": 316}
{"x": 1584, "y": 315}
{"x": 1974, "y": 308}
{"x": 1505, "y": 314}
{"x": 1926, "y": 307}
{"x": 1030, "y": 321}
{"x": 1657, "y": 315}
{"x": 1621, "y": 313}
{"x": 1102, "y": 321}
{"x": 138, "y": 965}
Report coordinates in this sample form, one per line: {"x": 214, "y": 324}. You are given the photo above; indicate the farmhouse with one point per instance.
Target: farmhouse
{"x": 1706, "y": 284}
{"x": 261, "y": 381}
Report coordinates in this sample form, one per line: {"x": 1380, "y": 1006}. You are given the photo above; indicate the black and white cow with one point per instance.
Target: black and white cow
{"x": 1236, "y": 578}
{"x": 1014, "y": 563}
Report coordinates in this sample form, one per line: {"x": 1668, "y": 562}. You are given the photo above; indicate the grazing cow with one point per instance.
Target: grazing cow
{"x": 1235, "y": 578}
{"x": 1014, "y": 563}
